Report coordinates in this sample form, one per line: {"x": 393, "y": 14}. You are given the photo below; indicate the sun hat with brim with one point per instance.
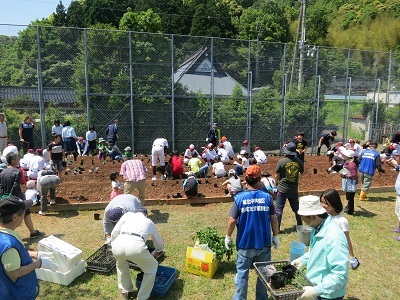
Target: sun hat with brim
{"x": 242, "y": 152}
{"x": 128, "y": 148}
{"x": 12, "y": 205}
{"x": 191, "y": 146}
{"x": 116, "y": 213}
{"x": 348, "y": 153}
{"x": 232, "y": 172}
{"x": 253, "y": 171}
{"x": 290, "y": 149}
{"x": 101, "y": 140}
{"x": 310, "y": 206}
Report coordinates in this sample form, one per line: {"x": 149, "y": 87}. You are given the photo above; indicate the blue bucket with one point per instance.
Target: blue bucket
{"x": 297, "y": 249}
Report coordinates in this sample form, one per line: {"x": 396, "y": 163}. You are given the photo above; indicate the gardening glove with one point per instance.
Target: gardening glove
{"x": 275, "y": 242}
{"x": 47, "y": 263}
{"x": 297, "y": 263}
{"x": 108, "y": 241}
{"x": 228, "y": 241}
{"x": 309, "y": 293}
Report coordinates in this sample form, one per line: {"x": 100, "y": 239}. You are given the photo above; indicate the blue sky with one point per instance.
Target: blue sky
{"x": 23, "y": 12}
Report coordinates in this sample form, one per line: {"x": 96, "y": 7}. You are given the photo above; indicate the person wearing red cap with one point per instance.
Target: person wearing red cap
{"x": 209, "y": 154}
{"x": 82, "y": 146}
{"x": 223, "y": 154}
{"x": 228, "y": 147}
{"x": 253, "y": 214}
{"x": 246, "y": 147}
{"x": 189, "y": 154}
{"x": 259, "y": 155}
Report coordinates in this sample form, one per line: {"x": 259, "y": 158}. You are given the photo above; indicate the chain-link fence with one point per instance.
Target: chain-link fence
{"x": 176, "y": 87}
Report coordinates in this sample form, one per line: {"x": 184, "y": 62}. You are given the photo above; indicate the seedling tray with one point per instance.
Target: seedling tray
{"x": 165, "y": 277}
{"x": 102, "y": 261}
{"x": 293, "y": 288}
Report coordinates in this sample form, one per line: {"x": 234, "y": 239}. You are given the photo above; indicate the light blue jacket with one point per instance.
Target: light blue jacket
{"x": 327, "y": 260}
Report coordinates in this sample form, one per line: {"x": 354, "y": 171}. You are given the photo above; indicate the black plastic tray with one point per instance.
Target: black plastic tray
{"x": 102, "y": 261}
{"x": 290, "y": 291}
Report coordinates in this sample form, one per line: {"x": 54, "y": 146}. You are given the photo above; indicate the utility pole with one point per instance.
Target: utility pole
{"x": 302, "y": 43}
{"x": 299, "y": 44}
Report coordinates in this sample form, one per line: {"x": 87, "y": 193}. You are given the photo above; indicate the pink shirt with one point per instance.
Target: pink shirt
{"x": 133, "y": 170}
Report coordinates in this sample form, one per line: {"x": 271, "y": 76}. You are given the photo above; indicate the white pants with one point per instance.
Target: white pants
{"x": 157, "y": 152}
{"x": 397, "y": 207}
{"x": 133, "y": 248}
{"x": 3, "y": 144}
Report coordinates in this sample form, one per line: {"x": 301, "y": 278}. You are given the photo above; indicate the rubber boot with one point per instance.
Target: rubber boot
{"x": 363, "y": 195}
{"x": 279, "y": 222}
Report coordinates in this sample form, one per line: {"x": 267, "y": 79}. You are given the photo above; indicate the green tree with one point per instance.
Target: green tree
{"x": 264, "y": 21}
{"x": 145, "y": 21}
{"x": 60, "y": 16}
{"x": 76, "y": 14}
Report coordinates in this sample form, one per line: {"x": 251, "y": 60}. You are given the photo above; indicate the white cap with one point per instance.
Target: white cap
{"x": 191, "y": 146}
{"x": 348, "y": 153}
{"x": 210, "y": 145}
{"x": 128, "y": 148}
{"x": 242, "y": 152}
{"x": 310, "y": 206}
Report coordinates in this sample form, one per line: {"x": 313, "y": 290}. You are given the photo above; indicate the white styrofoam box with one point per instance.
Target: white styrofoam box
{"x": 65, "y": 255}
{"x": 60, "y": 277}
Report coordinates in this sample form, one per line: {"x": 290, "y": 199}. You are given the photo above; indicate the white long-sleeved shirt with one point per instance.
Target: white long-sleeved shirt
{"x": 91, "y": 136}
{"x": 138, "y": 223}
{"x": 68, "y": 132}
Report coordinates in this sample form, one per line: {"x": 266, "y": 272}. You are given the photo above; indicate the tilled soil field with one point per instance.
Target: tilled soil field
{"x": 92, "y": 182}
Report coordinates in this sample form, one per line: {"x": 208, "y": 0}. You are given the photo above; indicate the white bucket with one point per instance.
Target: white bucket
{"x": 303, "y": 234}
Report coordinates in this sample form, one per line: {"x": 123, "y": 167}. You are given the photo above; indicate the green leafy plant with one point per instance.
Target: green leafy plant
{"x": 215, "y": 242}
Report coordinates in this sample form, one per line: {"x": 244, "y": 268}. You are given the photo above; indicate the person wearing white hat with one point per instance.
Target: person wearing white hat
{"x": 349, "y": 175}
{"x": 189, "y": 154}
{"x": 128, "y": 152}
{"x": 327, "y": 259}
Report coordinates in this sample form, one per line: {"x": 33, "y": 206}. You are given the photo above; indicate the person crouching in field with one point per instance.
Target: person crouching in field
{"x": 191, "y": 186}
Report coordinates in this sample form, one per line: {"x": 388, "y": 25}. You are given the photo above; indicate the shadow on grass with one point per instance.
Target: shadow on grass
{"x": 362, "y": 212}
{"x": 288, "y": 230}
{"x": 352, "y": 298}
{"x": 225, "y": 267}
{"x": 158, "y": 217}
{"x": 381, "y": 199}
{"x": 63, "y": 214}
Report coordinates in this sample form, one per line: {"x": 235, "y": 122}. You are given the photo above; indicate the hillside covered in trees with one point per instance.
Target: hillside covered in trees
{"x": 356, "y": 24}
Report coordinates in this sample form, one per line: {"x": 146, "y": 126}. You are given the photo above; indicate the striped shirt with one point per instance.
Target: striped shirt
{"x": 133, "y": 170}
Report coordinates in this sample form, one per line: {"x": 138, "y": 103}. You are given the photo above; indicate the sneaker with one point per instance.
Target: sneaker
{"x": 396, "y": 230}
{"x": 127, "y": 295}
{"x": 163, "y": 177}
{"x": 397, "y": 238}
{"x": 36, "y": 234}
{"x": 355, "y": 264}
{"x": 52, "y": 202}
{"x": 154, "y": 178}
{"x": 42, "y": 213}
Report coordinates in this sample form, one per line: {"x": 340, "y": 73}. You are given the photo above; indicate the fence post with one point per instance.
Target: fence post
{"x": 249, "y": 80}
{"x": 86, "y": 78}
{"x": 212, "y": 83}
{"x": 314, "y": 132}
{"x": 345, "y": 96}
{"x": 172, "y": 92}
{"x": 40, "y": 89}
{"x": 284, "y": 86}
{"x": 131, "y": 91}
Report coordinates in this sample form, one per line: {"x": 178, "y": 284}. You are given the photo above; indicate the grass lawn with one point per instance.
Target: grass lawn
{"x": 377, "y": 277}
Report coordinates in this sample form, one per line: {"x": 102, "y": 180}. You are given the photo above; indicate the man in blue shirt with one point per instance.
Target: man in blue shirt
{"x": 327, "y": 259}
{"x": 253, "y": 213}
{"x": 369, "y": 161}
